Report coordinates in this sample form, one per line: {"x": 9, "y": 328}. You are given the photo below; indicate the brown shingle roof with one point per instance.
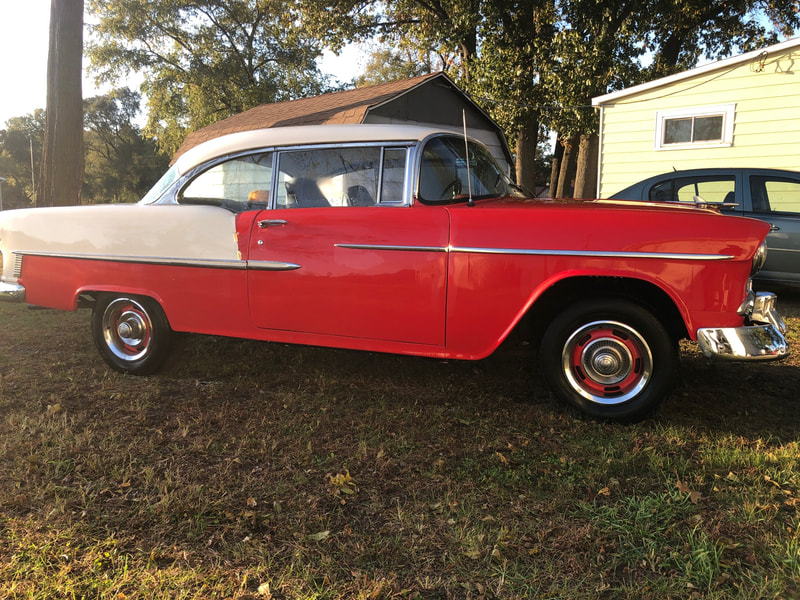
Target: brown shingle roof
{"x": 349, "y": 106}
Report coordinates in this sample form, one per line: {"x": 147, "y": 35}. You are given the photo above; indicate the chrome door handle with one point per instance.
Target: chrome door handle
{"x": 271, "y": 223}
{"x": 774, "y": 227}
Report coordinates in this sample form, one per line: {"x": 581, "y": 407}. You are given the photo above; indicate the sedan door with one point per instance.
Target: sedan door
{"x": 776, "y": 200}
{"x": 343, "y": 254}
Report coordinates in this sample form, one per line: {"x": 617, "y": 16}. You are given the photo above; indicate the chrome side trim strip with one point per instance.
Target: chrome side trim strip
{"x": 271, "y": 265}
{"x": 592, "y": 254}
{"x": 390, "y": 247}
{"x": 208, "y": 263}
{"x": 532, "y": 252}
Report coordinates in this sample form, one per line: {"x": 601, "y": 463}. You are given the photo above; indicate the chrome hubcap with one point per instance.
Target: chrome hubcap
{"x": 132, "y": 329}
{"x": 127, "y": 329}
{"x": 607, "y": 362}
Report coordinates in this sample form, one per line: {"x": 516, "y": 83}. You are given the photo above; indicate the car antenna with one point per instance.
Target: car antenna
{"x": 470, "y": 202}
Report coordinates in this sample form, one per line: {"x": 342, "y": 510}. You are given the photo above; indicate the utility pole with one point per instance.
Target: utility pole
{"x": 33, "y": 181}
{"x": 2, "y": 179}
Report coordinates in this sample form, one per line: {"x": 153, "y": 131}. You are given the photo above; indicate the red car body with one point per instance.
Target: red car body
{"x": 446, "y": 277}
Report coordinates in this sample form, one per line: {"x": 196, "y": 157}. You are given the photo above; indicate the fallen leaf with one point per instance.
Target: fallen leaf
{"x": 319, "y": 536}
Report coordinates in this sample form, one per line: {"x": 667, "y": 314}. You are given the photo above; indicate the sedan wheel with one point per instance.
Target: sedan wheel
{"x": 132, "y": 333}
{"x": 609, "y": 358}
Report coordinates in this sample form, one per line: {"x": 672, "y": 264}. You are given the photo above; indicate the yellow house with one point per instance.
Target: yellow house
{"x": 743, "y": 111}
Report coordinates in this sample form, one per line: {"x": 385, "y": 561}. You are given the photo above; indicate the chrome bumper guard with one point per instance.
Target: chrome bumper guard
{"x": 11, "y": 292}
{"x": 763, "y": 340}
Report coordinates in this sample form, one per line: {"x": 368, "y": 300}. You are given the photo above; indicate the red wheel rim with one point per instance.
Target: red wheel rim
{"x": 607, "y": 362}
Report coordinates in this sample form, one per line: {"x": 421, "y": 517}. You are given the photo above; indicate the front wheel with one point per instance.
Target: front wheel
{"x": 131, "y": 333}
{"x": 611, "y": 359}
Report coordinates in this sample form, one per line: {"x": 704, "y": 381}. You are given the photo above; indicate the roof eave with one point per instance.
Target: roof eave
{"x": 710, "y": 67}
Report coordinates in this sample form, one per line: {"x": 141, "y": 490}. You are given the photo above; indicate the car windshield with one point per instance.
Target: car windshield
{"x": 447, "y": 176}
{"x": 161, "y": 186}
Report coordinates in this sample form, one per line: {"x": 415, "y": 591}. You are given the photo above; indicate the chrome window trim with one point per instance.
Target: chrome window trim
{"x": 408, "y": 146}
{"x": 418, "y": 159}
{"x": 170, "y": 195}
{"x": 407, "y": 175}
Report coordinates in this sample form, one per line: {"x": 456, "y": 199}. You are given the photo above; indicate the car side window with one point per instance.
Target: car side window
{"x": 239, "y": 184}
{"x": 393, "y": 176}
{"x": 683, "y": 189}
{"x": 449, "y": 172}
{"x": 338, "y": 177}
{"x": 775, "y": 195}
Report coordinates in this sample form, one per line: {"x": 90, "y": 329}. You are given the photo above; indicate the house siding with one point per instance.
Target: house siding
{"x": 766, "y": 131}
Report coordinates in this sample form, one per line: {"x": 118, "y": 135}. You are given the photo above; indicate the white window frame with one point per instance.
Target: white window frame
{"x": 726, "y": 111}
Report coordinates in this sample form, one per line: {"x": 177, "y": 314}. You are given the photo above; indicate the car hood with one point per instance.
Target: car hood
{"x": 593, "y": 204}
{"x": 604, "y": 226}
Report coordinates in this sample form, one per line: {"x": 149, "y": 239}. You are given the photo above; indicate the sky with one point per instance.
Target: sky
{"x": 24, "y": 29}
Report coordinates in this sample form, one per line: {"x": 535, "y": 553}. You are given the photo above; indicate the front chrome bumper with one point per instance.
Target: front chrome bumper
{"x": 11, "y": 292}
{"x": 763, "y": 340}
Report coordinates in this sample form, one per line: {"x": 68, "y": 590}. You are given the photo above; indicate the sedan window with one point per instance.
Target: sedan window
{"x": 772, "y": 194}
{"x": 684, "y": 189}
{"x": 239, "y": 184}
{"x": 446, "y": 175}
{"x": 345, "y": 176}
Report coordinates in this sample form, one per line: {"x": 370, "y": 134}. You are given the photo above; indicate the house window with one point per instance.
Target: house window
{"x": 699, "y": 127}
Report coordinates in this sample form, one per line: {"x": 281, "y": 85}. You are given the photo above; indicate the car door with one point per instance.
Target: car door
{"x": 776, "y": 199}
{"x": 343, "y": 253}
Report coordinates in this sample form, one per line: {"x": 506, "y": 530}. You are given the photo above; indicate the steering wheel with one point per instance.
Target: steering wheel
{"x": 452, "y": 189}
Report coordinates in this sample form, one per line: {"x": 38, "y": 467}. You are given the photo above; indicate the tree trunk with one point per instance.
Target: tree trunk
{"x": 61, "y": 170}
{"x": 527, "y": 141}
{"x": 586, "y": 171}
{"x": 566, "y": 176}
{"x": 555, "y": 169}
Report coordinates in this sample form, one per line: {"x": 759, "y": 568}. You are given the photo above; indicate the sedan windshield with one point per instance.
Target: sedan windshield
{"x": 447, "y": 176}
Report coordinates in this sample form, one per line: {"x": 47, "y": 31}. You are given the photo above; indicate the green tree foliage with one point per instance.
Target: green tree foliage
{"x": 681, "y": 33}
{"x": 204, "y": 60}
{"x": 20, "y": 136}
{"x": 387, "y": 64}
{"x": 540, "y": 62}
{"x": 121, "y": 165}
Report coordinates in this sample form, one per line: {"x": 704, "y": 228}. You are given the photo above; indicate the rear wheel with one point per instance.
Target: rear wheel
{"x": 131, "y": 333}
{"x": 611, "y": 359}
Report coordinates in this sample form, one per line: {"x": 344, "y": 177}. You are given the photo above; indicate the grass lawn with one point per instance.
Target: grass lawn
{"x": 255, "y": 470}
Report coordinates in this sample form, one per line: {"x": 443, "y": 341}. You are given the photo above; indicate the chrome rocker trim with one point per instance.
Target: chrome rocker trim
{"x": 764, "y": 340}
{"x": 11, "y": 292}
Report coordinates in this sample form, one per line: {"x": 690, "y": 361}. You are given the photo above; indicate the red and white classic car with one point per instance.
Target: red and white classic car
{"x": 399, "y": 239}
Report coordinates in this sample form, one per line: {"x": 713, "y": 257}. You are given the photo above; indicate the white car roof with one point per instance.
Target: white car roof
{"x": 301, "y": 135}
